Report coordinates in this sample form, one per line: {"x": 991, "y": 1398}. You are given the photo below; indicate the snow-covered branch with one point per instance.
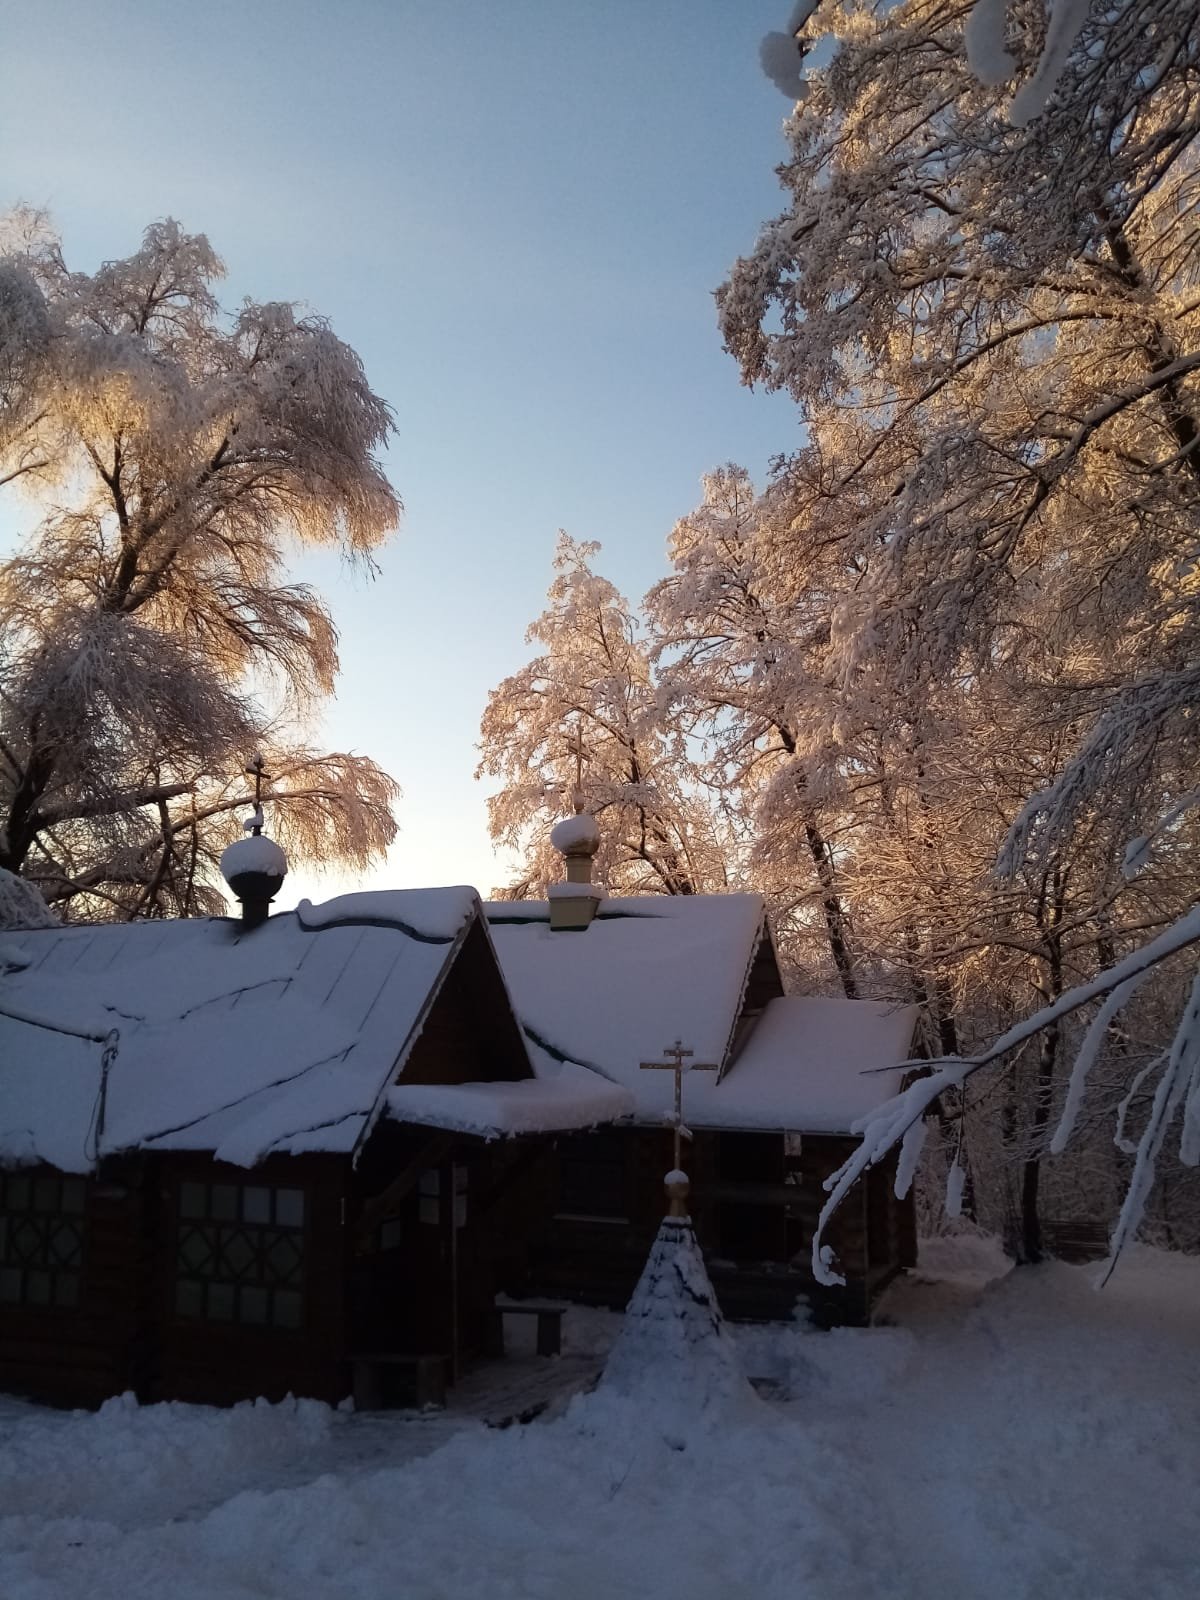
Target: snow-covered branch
{"x": 888, "y": 1127}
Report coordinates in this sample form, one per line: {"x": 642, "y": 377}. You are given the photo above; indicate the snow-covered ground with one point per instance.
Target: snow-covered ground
{"x": 1019, "y": 1437}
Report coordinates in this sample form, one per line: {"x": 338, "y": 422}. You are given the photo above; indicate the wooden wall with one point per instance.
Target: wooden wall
{"x": 79, "y": 1356}
{"x": 470, "y": 1034}
{"x": 449, "y": 1222}
{"x": 219, "y": 1362}
{"x": 755, "y": 1208}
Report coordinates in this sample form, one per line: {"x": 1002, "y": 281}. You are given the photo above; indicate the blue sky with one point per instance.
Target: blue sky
{"x": 516, "y": 214}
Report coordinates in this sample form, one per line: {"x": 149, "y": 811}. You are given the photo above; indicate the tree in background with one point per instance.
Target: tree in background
{"x": 738, "y": 628}
{"x": 987, "y": 314}
{"x": 593, "y": 686}
{"x": 148, "y": 639}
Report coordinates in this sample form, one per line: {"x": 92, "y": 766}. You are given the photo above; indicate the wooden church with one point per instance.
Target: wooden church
{"x": 304, "y": 1153}
{"x": 770, "y": 1119}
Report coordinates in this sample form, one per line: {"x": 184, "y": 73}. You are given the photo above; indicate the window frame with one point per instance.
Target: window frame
{"x": 212, "y": 1213}
{"x": 47, "y": 1222}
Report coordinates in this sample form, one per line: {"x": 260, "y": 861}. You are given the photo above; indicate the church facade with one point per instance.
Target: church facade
{"x": 244, "y": 1157}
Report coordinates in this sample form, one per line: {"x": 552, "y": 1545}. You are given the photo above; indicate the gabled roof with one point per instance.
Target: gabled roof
{"x": 654, "y": 969}
{"x": 811, "y": 1065}
{"x": 648, "y": 970}
{"x": 282, "y": 1039}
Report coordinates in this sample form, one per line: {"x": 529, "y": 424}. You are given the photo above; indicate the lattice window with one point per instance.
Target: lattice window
{"x": 42, "y": 1235}
{"x": 239, "y": 1254}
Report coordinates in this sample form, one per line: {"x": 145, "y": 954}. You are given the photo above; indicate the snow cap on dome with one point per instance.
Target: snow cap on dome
{"x": 254, "y": 868}
{"x": 577, "y": 835}
{"x": 254, "y": 854}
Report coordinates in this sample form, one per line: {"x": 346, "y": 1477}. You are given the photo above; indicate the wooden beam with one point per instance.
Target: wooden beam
{"x": 431, "y": 1154}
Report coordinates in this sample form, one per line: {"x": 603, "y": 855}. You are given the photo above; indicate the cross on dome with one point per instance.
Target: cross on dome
{"x": 677, "y": 1055}
{"x": 575, "y": 748}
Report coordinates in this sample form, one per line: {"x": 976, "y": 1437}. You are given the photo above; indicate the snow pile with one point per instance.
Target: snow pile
{"x": 781, "y": 55}
{"x": 985, "y": 39}
{"x": 1067, "y": 18}
{"x": 435, "y": 914}
{"x": 782, "y": 60}
{"x": 674, "y": 1367}
{"x": 128, "y": 1463}
{"x": 1032, "y": 1438}
{"x": 21, "y": 906}
{"x": 572, "y": 891}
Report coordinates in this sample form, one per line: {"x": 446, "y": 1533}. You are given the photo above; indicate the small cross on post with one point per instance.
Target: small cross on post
{"x": 575, "y": 747}
{"x": 257, "y": 771}
{"x": 678, "y": 1055}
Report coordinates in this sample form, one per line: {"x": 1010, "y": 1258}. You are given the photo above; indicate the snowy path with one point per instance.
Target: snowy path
{"x": 1030, "y": 1439}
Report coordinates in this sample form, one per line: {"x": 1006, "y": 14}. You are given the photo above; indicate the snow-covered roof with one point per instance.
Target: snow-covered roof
{"x": 563, "y": 1096}
{"x": 652, "y": 970}
{"x": 648, "y": 970}
{"x": 282, "y": 1039}
{"x": 285, "y": 1038}
{"x": 811, "y": 1065}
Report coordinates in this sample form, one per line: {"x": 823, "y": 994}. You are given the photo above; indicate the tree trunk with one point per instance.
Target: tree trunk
{"x": 1031, "y": 1245}
{"x": 1160, "y": 352}
{"x": 22, "y": 828}
{"x": 837, "y": 927}
{"x": 1031, "y": 1174}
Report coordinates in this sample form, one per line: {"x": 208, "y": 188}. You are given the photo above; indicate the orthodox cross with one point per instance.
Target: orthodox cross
{"x": 575, "y": 747}
{"x": 678, "y": 1055}
{"x": 256, "y": 770}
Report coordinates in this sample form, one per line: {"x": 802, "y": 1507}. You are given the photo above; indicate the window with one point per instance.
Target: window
{"x": 239, "y": 1254}
{"x": 42, "y": 1228}
{"x": 592, "y": 1175}
{"x": 751, "y": 1157}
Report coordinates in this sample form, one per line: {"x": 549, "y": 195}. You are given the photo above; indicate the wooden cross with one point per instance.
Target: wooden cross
{"x": 575, "y": 747}
{"x": 257, "y": 770}
{"x": 678, "y": 1056}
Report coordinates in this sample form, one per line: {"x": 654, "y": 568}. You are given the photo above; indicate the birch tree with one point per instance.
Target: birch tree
{"x": 984, "y": 304}
{"x": 149, "y": 639}
{"x": 590, "y": 695}
{"x": 737, "y": 628}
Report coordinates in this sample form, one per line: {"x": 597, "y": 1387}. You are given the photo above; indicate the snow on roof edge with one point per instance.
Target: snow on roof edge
{"x": 409, "y": 911}
{"x": 504, "y": 1110}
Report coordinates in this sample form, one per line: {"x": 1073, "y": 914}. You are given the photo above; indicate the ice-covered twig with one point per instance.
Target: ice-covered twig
{"x": 886, "y": 1127}
{"x": 984, "y": 38}
{"x": 1086, "y": 1058}
{"x": 1179, "y": 1084}
{"x": 1067, "y": 17}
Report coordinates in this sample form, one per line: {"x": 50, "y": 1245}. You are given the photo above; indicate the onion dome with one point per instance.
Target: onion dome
{"x": 254, "y": 867}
